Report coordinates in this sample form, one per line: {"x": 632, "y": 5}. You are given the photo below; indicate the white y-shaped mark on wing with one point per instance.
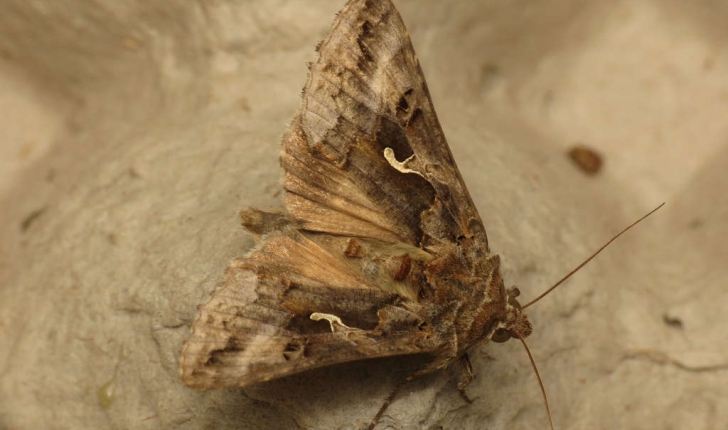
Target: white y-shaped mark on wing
{"x": 400, "y": 166}
{"x": 332, "y": 319}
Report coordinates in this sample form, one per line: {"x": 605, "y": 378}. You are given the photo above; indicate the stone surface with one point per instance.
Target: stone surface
{"x": 133, "y": 131}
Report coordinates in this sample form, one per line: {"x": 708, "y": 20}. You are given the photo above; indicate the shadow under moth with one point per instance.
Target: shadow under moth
{"x": 380, "y": 250}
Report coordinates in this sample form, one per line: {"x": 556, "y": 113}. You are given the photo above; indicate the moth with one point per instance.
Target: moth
{"x": 380, "y": 250}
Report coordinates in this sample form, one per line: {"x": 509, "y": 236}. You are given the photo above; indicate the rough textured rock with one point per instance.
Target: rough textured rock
{"x": 134, "y": 131}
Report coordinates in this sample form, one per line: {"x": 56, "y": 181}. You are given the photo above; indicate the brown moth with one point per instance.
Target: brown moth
{"x": 380, "y": 251}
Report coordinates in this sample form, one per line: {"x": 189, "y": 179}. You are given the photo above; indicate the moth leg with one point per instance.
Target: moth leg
{"x": 466, "y": 377}
{"x": 388, "y": 400}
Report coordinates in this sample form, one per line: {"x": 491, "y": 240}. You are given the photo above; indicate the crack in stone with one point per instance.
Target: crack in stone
{"x": 659, "y": 357}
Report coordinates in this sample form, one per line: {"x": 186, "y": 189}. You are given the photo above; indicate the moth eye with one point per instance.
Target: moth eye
{"x": 500, "y": 335}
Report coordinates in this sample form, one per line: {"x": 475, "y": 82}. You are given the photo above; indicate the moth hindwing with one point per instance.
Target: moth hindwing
{"x": 379, "y": 251}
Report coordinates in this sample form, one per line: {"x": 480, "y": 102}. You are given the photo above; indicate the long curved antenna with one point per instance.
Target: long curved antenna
{"x": 540, "y": 383}
{"x": 568, "y": 275}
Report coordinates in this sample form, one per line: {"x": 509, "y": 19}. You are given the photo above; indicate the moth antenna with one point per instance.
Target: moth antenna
{"x": 540, "y": 383}
{"x": 568, "y": 275}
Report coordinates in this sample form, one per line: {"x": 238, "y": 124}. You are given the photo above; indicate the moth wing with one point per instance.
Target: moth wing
{"x": 366, "y": 97}
{"x": 258, "y": 326}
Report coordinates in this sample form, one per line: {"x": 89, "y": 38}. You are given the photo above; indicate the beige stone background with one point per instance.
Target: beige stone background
{"x": 133, "y": 131}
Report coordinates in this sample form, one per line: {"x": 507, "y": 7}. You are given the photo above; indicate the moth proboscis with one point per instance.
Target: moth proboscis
{"x": 380, "y": 250}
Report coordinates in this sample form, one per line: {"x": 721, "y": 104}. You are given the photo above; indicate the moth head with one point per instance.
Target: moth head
{"x": 516, "y": 324}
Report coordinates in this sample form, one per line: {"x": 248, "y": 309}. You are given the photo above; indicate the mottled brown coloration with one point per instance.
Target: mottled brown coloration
{"x": 354, "y": 249}
{"x": 586, "y": 159}
{"x": 379, "y": 230}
